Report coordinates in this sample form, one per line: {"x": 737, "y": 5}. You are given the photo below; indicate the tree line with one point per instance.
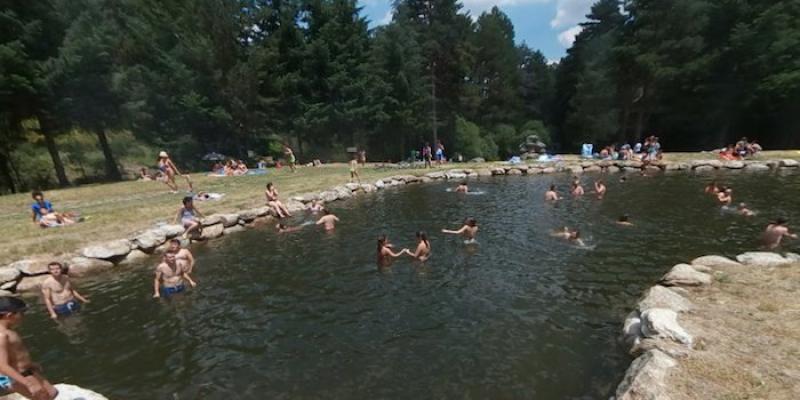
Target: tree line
{"x": 244, "y": 76}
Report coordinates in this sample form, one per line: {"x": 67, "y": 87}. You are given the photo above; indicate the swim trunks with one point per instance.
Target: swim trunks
{"x": 167, "y": 291}
{"x": 67, "y": 308}
{"x": 6, "y": 382}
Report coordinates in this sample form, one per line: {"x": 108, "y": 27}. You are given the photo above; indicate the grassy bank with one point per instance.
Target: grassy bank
{"x": 118, "y": 209}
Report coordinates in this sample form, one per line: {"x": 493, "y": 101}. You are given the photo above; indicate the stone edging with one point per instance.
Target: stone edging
{"x": 652, "y": 332}
{"x": 28, "y": 274}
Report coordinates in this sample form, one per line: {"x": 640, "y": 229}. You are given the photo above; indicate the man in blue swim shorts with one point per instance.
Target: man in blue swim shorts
{"x": 60, "y": 296}
{"x": 171, "y": 277}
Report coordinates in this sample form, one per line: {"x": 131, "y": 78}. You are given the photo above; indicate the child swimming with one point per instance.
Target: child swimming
{"x": 571, "y": 236}
{"x": 551, "y": 194}
{"x": 469, "y": 230}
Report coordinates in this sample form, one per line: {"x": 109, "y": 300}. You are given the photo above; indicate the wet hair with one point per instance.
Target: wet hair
{"x": 11, "y": 305}
{"x": 269, "y": 185}
{"x": 423, "y": 237}
{"x": 623, "y": 218}
{"x": 552, "y": 187}
{"x": 471, "y": 221}
{"x": 187, "y": 200}
{"x": 382, "y": 239}
{"x": 176, "y": 241}
{"x": 576, "y": 234}
{"x": 64, "y": 268}
{"x": 36, "y": 193}
{"x": 326, "y": 211}
{"x": 463, "y": 183}
{"x": 780, "y": 221}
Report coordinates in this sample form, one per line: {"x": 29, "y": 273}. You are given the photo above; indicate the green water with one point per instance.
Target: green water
{"x": 308, "y": 315}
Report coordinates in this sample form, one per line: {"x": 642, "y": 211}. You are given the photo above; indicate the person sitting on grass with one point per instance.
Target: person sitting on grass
{"x": 188, "y": 216}
{"x": 43, "y": 215}
{"x": 144, "y": 175}
{"x": 272, "y": 200}
{"x": 18, "y": 373}
{"x": 60, "y": 298}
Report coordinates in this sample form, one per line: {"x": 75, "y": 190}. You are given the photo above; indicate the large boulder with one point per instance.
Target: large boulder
{"x": 368, "y": 187}
{"x": 756, "y": 167}
{"x": 646, "y": 378}
{"x": 212, "y": 219}
{"x": 498, "y": 171}
{"x": 762, "y": 259}
{"x": 229, "y": 220}
{"x": 575, "y": 169}
{"x": 33, "y": 266}
{"x": 330, "y": 195}
{"x": 31, "y": 284}
{"x": 65, "y": 392}
{"x": 789, "y": 163}
{"x": 307, "y": 197}
{"x": 212, "y": 232}
{"x": 593, "y": 169}
{"x": 632, "y": 329}
{"x": 294, "y": 206}
{"x": 483, "y": 172}
{"x": 379, "y": 184}
{"x": 674, "y": 166}
{"x": 352, "y": 186}
{"x": 733, "y": 164}
{"x": 135, "y": 257}
{"x": 148, "y": 240}
{"x": 234, "y": 229}
{"x": 247, "y": 216}
{"x": 662, "y": 323}
{"x": 435, "y": 175}
{"x": 514, "y": 171}
{"x": 170, "y": 231}
{"x": 262, "y": 211}
{"x": 9, "y": 274}
{"x": 660, "y": 297}
{"x": 343, "y": 192}
{"x": 715, "y": 262}
{"x": 704, "y": 168}
{"x": 115, "y": 249}
{"x": 81, "y": 266}
{"x": 549, "y": 170}
{"x": 793, "y": 257}
{"x": 685, "y": 275}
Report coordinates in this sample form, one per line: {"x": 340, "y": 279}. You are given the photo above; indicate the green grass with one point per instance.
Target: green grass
{"x": 117, "y": 210}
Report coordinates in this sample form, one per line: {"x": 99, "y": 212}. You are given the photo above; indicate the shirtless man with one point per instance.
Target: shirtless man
{"x": 551, "y": 194}
{"x": 775, "y": 232}
{"x": 170, "y": 277}
{"x": 18, "y": 373}
{"x": 600, "y": 189}
{"x": 59, "y": 295}
{"x": 725, "y": 197}
{"x": 183, "y": 257}
{"x": 577, "y": 189}
{"x": 328, "y": 220}
{"x": 462, "y": 188}
{"x": 573, "y": 237}
{"x": 469, "y": 230}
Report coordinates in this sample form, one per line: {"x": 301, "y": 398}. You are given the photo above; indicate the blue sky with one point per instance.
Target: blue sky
{"x": 547, "y": 25}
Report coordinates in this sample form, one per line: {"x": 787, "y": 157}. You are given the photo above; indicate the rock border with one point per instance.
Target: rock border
{"x": 652, "y": 332}
{"x": 24, "y": 275}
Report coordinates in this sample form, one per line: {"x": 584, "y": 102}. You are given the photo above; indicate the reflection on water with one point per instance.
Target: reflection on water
{"x": 308, "y": 315}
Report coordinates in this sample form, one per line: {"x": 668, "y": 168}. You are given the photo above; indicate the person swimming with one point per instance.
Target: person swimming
{"x": 60, "y": 297}
{"x": 423, "y": 250}
{"x": 551, "y": 194}
{"x": 624, "y": 220}
{"x": 742, "y": 210}
{"x": 577, "y": 189}
{"x": 775, "y": 233}
{"x": 712, "y": 188}
{"x": 316, "y": 207}
{"x": 462, "y": 188}
{"x": 385, "y": 254}
{"x": 287, "y": 229}
{"x": 574, "y": 237}
{"x": 328, "y": 220}
{"x": 170, "y": 277}
{"x": 600, "y": 189}
{"x": 725, "y": 197}
{"x": 469, "y": 230}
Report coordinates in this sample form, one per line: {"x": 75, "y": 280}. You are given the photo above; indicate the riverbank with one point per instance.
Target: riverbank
{"x": 717, "y": 329}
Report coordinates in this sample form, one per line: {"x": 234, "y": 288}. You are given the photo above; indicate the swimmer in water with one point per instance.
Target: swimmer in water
{"x": 712, "y": 188}
{"x": 775, "y": 232}
{"x": 469, "y": 230}
{"x": 287, "y": 229}
{"x": 170, "y": 277}
{"x": 385, "y": 253}
{"x": 744, "y": 211}
{"x": 183, "y": 257}
{"x": 624, "y": 220}
{"x": 551, "y": 194}
{"x": 600, "y": 189}
{"x": 623, "y": 179}
{"x": 725, "y": 197}
{"x": 423, "y": 251}
{"x": 577, "y": 189}
{"x": 328, "y": 221}
{"x": 462, "y": 188}
{"x": 571, "y": 236}
{"x": 316, "y": 206}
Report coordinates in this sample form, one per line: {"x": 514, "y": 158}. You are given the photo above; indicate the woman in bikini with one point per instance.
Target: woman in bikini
{"x": 169, "y": 170}
{"x": 385, "y": 253}
{"x": 423, "y": 251}
{"x": 274, "y": 203}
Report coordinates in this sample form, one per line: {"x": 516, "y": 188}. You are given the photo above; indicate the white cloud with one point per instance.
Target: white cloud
{"x": 570, "y": 12}
{"x": 386, "y": 18}
{"x": 567, "y": 37}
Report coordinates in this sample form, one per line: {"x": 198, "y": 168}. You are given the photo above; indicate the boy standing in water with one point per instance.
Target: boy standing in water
{"x": 170, "y": 277}
{"x": 18, "y": 373}
{"x": 551, "y": 194}
{"x": 328, "y": 220}
{"x": 59, "y": 295}
{"x": 600, "y": 189}
{"x": 183, "y": 257}
{"x": 775, "y": 232}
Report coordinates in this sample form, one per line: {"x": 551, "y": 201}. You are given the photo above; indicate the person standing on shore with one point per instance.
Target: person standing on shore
{"x": 60, "y": 298}
{"x": 354, "y": 169}
{"x": 290, "y": 158}
{"x": 426, "y": 155}
{"x": 775, "y": 233}
{"x": 18, "y": 373}
{"x": 440, "y": 157}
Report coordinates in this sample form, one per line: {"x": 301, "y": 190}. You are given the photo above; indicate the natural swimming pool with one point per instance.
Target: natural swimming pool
{"x": 309, "y": 315}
